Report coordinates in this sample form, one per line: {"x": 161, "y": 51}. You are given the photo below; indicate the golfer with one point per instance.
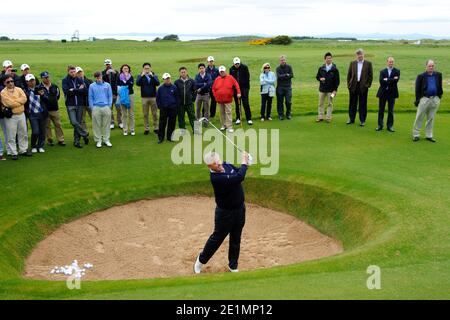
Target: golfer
{"x": 230, "y": 210}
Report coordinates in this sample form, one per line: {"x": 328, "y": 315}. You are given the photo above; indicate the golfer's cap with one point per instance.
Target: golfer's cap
{"x": 166, "y": 76}
{"x": 29, "y": 77}
{"x": 108, "y": 61}
{"x": 236, "y": 60}
{"x": 7, "y": 63}
{"x": 78, "y": 69}
{"x": 45, "y": 74}
{"x": 24, "y": 67}
{"x": 210, "y": 58}
{"x": 222, "y": 68}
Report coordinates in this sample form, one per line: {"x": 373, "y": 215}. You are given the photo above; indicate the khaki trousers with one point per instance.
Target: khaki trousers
{"x": 101, "y": 120}
{"x": 149, "y": 104}
{"x": 55, "y": 117}
{"x": 202, "y": 99}
{"x": 427, "y": 107}
{"x": 225, "y": 115}
{"x": 322, "y": 97}
{"x": 128, "y": 116}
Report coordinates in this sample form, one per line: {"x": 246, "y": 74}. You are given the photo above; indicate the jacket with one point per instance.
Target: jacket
{"x": 224, "y": 88}
{"x": 129, "y": 83}
{"x": 74, "y": 95}
{"x": 16, "y": 101}
{"x": 421, "y": 86}
{"x": 332, "y": 78}
{"x": 23, "y": 82}
{"x": 242, "y": 76}
{"x": 213, "y": 72}
{"x": 51, "y": 96}
{"x": 111, "y": 78}
{"x": 187, "y": 91}
{"x": 168, "y": 97}
{"x": 284, "y": 76}
{"x": 203, "y": 83}
{"x": 389, "y": 88}
{"x": 148, "y": 87}
{"x": 87, "y": 83}
{"x": 267, "y": 81}
{"x": 366, "y": 76}
{"x": 227, "y": 186}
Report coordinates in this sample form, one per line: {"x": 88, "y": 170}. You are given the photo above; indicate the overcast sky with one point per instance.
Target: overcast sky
{"x": 272, "y": 17}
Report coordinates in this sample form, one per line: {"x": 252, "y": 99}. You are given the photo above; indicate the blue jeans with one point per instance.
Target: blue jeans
{"x": 38, "y": 123}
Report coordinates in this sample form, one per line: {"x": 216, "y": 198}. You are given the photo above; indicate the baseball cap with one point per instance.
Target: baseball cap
{"x": 108, "y": 61}
{"x": 45, "y": 74}
{"x": 222, "y": 68}
{"x": 78, "y": 69}
{"x": 24, "y": 67}
{"x": 236, "y": 60}
{"x": 7, "y": 63}
{"x": 166, "y": 76}
{"x": 29, "y": 77}
{"x": 210, "y": 58}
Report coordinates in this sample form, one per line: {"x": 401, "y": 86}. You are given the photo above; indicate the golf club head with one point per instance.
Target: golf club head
{"x": 250, "y": 159}
{"x": 203, "y": 120}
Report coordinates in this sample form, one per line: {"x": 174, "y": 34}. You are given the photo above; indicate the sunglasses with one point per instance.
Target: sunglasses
{"x": 266, "y": 67}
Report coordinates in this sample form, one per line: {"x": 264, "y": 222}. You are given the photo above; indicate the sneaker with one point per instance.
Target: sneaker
{"x": 61, "y": 143}
{"x": 250, "y": 122}
{"x": 233, "y": 270}
{"x": 50, "y": 143}
{"x": 34, "y": 150}
{"x": 108, "y": 144}
{"x": 289, "y": 117}
{"x": 415, "y": 139}
{"x": 125, "y": 133}
{"x": 27, "y": 153}
{"x": 328, "y": 120}
{"x": 133, "y": 133}
{"x": 281, "y": 117}
{"x": 262, "y": 119}
{"x": 391, "y": 129}
{"x": 319, "y": 120}
{"x": 2, "y": 158}
{"x": 222, "y": 128}
{"x": 77, "y": 145}
{"x": 269, "y": 118}
{"x": 111, "y": 126}
{"x": 41, "y": 150}
{"x": 362, "y": 124}
{"x": 99, "y": 144}
{"x": 15, "y": 157}
{"x": 379, "y": 129}
{"x": 350, "y": 122}
{"x": 120, "y": 125}
{"x": 238, "y": 121}
{"x": 146, "y": 132}
{"x": 230, "y": 130}
{"x": 198, "y": 265}
{"x": 431, "y": 139}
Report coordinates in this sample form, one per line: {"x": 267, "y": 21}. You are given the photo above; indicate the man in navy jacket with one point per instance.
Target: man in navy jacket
{"x": 75, "y": 92}
{"x": 387, "y": 92}
{"x": 213, "y": 71}
{"x": 168, "y": 101}
{"x": 226, "y": 180}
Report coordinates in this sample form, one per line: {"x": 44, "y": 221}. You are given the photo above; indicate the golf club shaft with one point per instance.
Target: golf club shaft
{"x": 239, "y": 149}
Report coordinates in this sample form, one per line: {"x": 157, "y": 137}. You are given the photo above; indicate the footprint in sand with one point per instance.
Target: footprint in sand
{"x": 99, "y": 247}
{"x": 178, "y": 222}
{"x": 92, "y": 228}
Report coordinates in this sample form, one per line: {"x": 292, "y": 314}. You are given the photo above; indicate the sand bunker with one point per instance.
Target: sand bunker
{"x": 162, "y": 238}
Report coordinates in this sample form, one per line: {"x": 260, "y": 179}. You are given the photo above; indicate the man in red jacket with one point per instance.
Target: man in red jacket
{"x": 223, "y": 89}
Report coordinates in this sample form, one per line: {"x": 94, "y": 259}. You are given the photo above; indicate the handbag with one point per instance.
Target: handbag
{"x": 7, "y": 112}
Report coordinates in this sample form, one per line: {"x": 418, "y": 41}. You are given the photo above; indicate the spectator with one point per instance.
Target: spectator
{"x": 100, "y": 100}
{"x": 2, "y": 121}
{"x": 125, "y": 92}
{"x": 86, "y": 109}
{"x": 242, "y": 75}
{"x": 267, "y": 80}
{"x": 212, "y": 70}
{"x": 328, "y": 77}
{"x": 203, "y": 83}
{"x": 25, "y": 70}
{"x": 149, "y": 82}
{"x": 284, "y": 89}
{"x": 168, "y": 101}
{"x": 8, "y": 69}
{"x": 110, "y": 76}
{"x": 38, "y": 114}
{"x": 187, "y": 91}
{"x": 388, "y": 92}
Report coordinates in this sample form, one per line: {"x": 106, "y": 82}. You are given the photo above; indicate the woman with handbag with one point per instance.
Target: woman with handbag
{"x": 267, "y": 80}
{"x": 125, "y": 82}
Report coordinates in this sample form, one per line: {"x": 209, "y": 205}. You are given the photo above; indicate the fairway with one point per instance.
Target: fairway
{"x": 385, "y": 198}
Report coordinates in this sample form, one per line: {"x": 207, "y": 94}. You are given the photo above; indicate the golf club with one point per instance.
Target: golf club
{"x": 250, "y": 158}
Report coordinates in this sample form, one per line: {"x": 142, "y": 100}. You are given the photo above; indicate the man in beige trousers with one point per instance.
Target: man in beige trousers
{"x": 100, "y": 100}
{"x": 149, "y": 82}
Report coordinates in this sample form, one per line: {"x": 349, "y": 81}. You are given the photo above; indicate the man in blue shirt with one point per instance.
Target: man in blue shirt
{"x": 428, "y": 98}
{"x": 100, "y": 101}
{"x": 226, "y": 180}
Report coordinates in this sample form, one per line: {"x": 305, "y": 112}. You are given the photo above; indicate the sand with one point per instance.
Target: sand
{"x": 162, "y": 238}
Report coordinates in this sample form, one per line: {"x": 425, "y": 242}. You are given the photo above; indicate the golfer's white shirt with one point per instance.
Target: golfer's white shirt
{"x": 360, "y": 67}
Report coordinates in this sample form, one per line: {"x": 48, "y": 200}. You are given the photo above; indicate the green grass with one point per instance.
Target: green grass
{"x": 384, "y": 197}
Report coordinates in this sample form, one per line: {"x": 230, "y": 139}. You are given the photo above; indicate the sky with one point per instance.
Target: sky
{"x": 240, "y": 17}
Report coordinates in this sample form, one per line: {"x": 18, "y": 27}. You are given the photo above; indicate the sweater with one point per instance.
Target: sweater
{"x": 168, "y": 97}
{"x": 284, "y": 76}
{"x": 100, "y": 95}
{"x": 227, "y": 186}
{"x": 14, "y": 100}
{"x": 224, "y": 89}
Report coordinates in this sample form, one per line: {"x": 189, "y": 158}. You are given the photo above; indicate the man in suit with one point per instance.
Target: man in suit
{"x": 428, "y": 98}
{"x": 359, "y": 80}
{"x": 387, "y": 92}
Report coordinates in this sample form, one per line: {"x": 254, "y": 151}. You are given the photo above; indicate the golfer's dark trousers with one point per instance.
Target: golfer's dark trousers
{"x": 227, "y": 222}
{"x": 358, "y": 101}
{"x": 381, "y": 107}
{"x": 245, "y": 103}
{"x": 38, "y": 123}
{"x": 75, "y": 114}
{"x": 167, "y": 119}
{"x": 284, "y": 95}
